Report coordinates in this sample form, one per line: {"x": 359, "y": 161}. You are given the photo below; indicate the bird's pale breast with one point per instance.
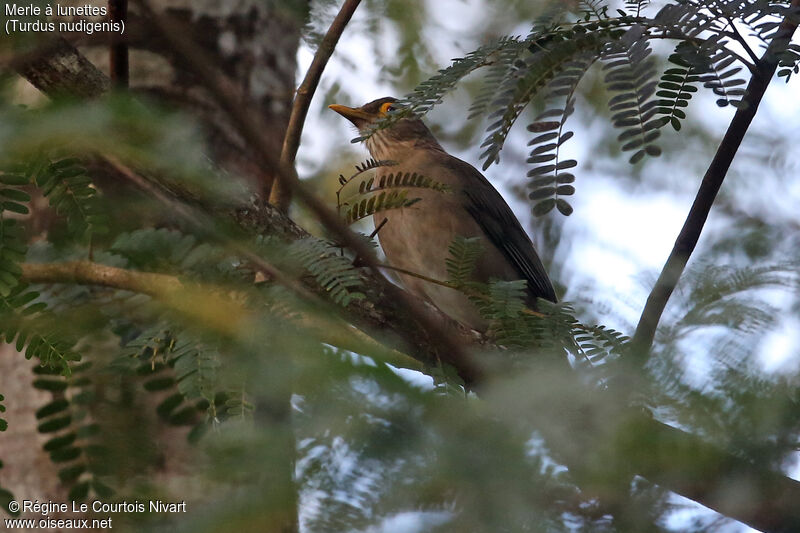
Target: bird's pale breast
{"x": 418, "y": 238}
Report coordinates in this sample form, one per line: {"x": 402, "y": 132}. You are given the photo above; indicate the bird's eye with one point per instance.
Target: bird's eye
{"x": 385, "y": 108}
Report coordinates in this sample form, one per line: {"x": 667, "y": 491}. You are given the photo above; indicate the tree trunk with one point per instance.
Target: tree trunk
{"x": 254, "y": 42}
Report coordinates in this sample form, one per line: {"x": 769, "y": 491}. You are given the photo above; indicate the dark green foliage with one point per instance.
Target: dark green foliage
{"x": 636, "y": 7}
{"x": 72, "y": 437}
{"x": 552, "y": 59}
{"x": 383, "y": 201}
{"x": 595, "y": 344}
{"x": 12, "y": 240}
{"x": 195, "y": 370}
{"x": 67, "y": 185}
{"x": 676, "y": 88}
{"x": 26, "y": 322}
{"x": 332, "y": 270}
{"x": 513, "y": 325}
{"x": 6, "y": 496}
{"x": 169, "y": 250}
{"x": 789, "y": 62}
{"x": 463, "y": 253}
{"x": 430, "y": 92}
{"x": 166, "y": 361}
{"x": 361, "y": 196}
{"x": 504, "y": 307}
{"x": 629, "y": 76}
{"x": 530, "y": 73}
{"x": 549, "y": 181}
{"x": 3, "y": 421}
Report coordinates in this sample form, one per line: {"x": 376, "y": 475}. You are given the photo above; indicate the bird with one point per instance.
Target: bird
{"x": 417, "y": 238}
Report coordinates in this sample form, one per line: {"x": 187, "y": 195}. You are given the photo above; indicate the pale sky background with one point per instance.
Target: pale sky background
{"x": 618, "y": 239}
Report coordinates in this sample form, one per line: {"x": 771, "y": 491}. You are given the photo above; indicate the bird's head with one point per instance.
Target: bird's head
{"x": 386, "y": 143}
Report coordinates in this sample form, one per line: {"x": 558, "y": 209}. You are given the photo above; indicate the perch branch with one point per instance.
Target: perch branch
{"x": 170, "y": 290}
{"x": 280, "y": 195}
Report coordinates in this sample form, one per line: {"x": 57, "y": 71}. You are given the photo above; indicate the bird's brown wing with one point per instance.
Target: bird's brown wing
{"x": 496, "y": 219}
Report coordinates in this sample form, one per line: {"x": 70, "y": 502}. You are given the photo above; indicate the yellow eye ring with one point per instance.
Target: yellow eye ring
{"x": 386, "y": 107}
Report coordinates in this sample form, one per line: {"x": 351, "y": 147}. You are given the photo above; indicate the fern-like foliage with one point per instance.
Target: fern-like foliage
{"x": 550, "y": 182}
{"x": 431, "y": 91}
{"x": 169, "y": 250}
{"x": 27, "y": 323}
{"x": 675, "y": 90}
{"x": 363, "y": 195}
{"x": 72, "y": 435}
{"x": 716, "y": 294}
{"x": 195, "y": 369}
{"x": 460, "y": 263}
{"x": 333, "y": 271}
{"x": 12, "y": 239}
{"x": 383, "y": 201}
{"x": 3, "y": 421}
{"x": 505, "y": 307}
{"x": 392, "y": 181}
{"x": 550, "y": 62}
{"x": 704, "y": 46}
{"x": 636, "y": 7}
{"x": 789, "y": 62}
{"x": 182, "y": 371}
{"x": 6, "y": 496}
{"x": 67, "y": 185}
{"x": 596, "y": 344}
{"x": 630, "y": 74}
{"x": 528, "y": 75}
{"x": 238, "y": 405}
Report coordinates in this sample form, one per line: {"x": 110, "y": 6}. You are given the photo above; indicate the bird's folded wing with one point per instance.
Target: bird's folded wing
{"x": 495, "y": 217}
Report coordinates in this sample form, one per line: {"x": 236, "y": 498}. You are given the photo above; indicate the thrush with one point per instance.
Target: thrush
{"x": 417, "y": 238}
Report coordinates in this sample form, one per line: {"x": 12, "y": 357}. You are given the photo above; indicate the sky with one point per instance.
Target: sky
{"x": 607, "y": 251}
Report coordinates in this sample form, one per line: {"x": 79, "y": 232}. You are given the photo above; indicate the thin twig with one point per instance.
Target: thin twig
{"x": 280, "y": 195}
{"x": 740, "y": 39}
{"x": 453, "y": 286}
{"x": 687, "y": 239}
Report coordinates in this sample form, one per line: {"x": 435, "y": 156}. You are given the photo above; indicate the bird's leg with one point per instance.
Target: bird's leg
{"x": 378, "y": 228}
{"x": 357, "y": 262}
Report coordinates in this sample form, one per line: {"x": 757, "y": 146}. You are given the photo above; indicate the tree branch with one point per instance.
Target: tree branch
{"x": 57, "y": 69}
{"x": 280, "y": 194}
{"x": 170, "y": 290}
{"x": 86, "y": 272}
{"x": 687, "y": 239}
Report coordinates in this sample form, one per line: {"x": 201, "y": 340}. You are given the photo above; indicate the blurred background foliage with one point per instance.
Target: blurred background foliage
{"x": 222, "y": 392}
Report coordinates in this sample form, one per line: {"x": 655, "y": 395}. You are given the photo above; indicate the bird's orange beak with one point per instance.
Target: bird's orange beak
{"x": 351, "y": 113}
